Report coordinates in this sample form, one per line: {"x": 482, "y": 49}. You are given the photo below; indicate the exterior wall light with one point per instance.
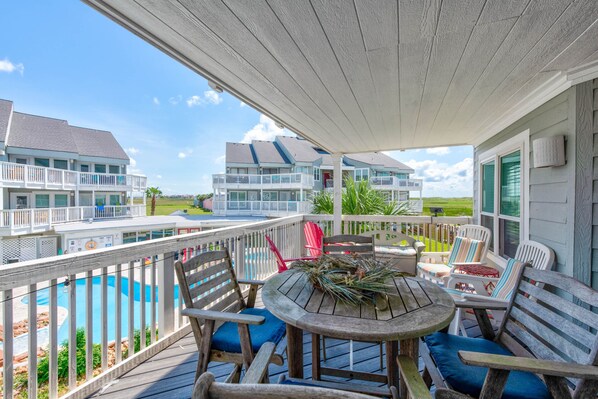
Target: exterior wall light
{"x": 549, "y": 151}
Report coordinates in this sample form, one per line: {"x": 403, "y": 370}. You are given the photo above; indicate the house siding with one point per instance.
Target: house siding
{"x": 593, "y": 126}
{"x": 551, "y": 194}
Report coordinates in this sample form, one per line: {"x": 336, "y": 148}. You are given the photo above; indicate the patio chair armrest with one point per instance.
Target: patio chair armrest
{"x": 416, "y": 386}
{"x": 536, "y": 366}
{"x": 419, "y": 247}
{"x": 468, "y": 264}
{"x": 481, "y": 304}
{"x": 259, "y": 366}
{"x": 223, "y": 316}
{"x": 251, "y": 282}
{"x": 443, "y": 393}
{"x": 434, "y": 254}
{"x": 481, "y": 298}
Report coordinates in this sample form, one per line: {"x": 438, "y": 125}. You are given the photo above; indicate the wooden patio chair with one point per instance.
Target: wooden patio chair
{"x": 233, "y": 330}
{"x": 549, "y": 330}
{"x": 313, "y": 238}
{"x": 349, "y": 244}
{"x": 538, "y": 255}
{"x": 468, "y": 250}
{"x": 206, "y": 386}
{"x": 281, "y": 263}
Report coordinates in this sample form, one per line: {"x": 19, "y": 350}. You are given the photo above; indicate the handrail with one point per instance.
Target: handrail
{"x": 304, "y": 179}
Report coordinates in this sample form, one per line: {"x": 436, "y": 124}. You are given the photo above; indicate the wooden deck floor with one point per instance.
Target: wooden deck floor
{"x": 170, "y": 373}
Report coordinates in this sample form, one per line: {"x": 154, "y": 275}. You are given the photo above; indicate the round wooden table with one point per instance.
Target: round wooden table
{"x": 416, "y": 308}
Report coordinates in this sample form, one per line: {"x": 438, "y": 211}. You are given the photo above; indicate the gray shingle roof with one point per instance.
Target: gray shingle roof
{"x": 378, "y": 158}
{"x": 240, "y": 153}
{"x": 5, "y": 111}
{"x": 300, "y": 150}
{"x": 268, "y": 152}
{"x": 97, "y": 143}
{"x": 49, "y": 134}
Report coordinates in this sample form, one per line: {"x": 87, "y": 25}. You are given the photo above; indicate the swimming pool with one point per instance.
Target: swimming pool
{"x": 43, "y": 299}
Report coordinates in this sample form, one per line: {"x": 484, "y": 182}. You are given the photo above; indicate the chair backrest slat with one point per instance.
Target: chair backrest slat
{"x": 313, "y": 238}
{"x": 550, "y": 317}
{"x": 536, "y": 254}
{"x": 280, "y": 263}
{"x": 348, "y": 244}
{"x": 206, "y": 278}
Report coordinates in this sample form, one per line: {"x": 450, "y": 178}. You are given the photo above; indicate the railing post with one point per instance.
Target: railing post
{"x": 165, "y": 294}
{"x": 240, "y": 258}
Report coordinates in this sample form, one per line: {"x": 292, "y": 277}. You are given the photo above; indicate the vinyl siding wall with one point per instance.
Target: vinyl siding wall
{"x": 593, "y": 122}
{"x": 551, "y": 196}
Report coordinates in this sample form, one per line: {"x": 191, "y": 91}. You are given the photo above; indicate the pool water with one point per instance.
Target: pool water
{"x": 43, "y": 299}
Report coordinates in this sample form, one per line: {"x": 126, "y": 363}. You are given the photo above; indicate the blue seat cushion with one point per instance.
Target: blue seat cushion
{"x": 470, "y": 379}
{"x": 226, "y": 337}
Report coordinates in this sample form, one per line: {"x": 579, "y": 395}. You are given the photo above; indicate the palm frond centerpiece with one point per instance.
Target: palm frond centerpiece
{"x": 349, "y": 279}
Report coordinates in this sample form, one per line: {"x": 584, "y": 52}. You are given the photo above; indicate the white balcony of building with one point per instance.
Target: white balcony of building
{"x": 395, "y": 183}
{"x": 28, "y": 221}
{"x": 276, "y": 181}
{"x": 15, "y": 175}
{"x": 260, "y": 208}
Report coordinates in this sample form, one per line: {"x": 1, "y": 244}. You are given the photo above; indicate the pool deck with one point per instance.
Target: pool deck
{"x": 170, "y": 373}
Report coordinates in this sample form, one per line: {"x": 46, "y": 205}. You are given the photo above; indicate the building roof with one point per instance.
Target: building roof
{"x": 268, "y": 152}
{"x": 49, "y": 134}
{"x": 240, "y": 153}
{"x": 97, "y": 143}
{"x": 378, "y": 158}
{"x": 300, "y": 150}
{"x": 5, "y": 111}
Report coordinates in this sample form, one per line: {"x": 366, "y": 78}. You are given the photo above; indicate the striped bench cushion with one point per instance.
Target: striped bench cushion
{"x": 437, "y": 270}
{"x": 506, "y": 284}
{"x": 465, "y": 250}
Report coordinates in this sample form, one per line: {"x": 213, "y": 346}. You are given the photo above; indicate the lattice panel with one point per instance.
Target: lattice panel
{"x": 19, "y": 248}
{"x": 47, "y": 247}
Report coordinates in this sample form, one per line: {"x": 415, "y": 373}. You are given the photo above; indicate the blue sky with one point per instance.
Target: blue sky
{"x": 64, "y": 60}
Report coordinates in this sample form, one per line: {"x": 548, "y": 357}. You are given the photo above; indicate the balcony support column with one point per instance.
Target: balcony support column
{"x": 337, "y": 160}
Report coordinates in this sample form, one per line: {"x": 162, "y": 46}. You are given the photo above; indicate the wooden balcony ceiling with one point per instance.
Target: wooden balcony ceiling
{"x": 367, "y": 75}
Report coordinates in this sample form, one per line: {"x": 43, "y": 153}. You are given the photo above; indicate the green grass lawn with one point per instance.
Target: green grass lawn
{"x": 166, "y": 206}
{"x": 452, "y": 206}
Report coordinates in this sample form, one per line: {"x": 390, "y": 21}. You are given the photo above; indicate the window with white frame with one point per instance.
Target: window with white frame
{"x": 317, "y": 174}
{"x": 362, "y": 174}
{"x": 503, "y": 194}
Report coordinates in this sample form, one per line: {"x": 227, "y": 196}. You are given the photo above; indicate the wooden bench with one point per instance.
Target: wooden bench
{"x": 397, "y": 249}
{"x": 548, "y": 331}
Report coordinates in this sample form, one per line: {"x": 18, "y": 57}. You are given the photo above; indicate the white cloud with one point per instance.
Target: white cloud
{"x": 182, "y": 155}
{"x": 209, "y": 97}
{"x": 438, "y": 151}
{"x": 175, "y": 100}
{"x": 158, "y": 176}
{"x": 242, "y": 104}
{"x": 7, "y": 66}
{"x": 265, "y": 130}
{"x": 444, "y": 180}
{"x": 220, "y": 160}
{"x": 212, "y": 97}
{"x": 156, "y": 101}
{"x": 185, "y": 153}
{"x": 133, "y": 150}
{"x": 132, "y": 162}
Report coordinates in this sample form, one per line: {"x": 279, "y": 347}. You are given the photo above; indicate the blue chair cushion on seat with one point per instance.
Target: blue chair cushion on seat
{"x": 226, "y": 337}
{"x": 470, "y": 379}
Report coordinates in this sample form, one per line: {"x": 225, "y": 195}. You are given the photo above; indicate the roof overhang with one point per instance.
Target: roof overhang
{"x": 378, "y": 75}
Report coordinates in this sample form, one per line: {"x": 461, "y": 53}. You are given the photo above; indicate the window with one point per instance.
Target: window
{"x": 100, "y": 199}
{"x": 129, "y": 237}
{"x": 61, "y": 200}
{"x": 61, "y": 164}
{"x": 114, "y": 169}
{"x": 22, "y": 161}
{"x": 270, "y": 196}
{"x": 84, "y": 168}
{"x": 302, "y": 169}
{"x": 317, "y": 174}
{"x": 42, "y": 200}
{"x": 502, "y": 198}
{"x": 45, "y": 162}
{"x": 362, "y": 174}
{"x": 100, "y": 168}
{"x": 237, "y": 196}
{"x": 114, "y": 199}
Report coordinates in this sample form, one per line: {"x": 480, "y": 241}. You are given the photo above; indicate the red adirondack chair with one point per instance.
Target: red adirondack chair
{"x": 282, "y": 263}
{"x": 313, "y": 238}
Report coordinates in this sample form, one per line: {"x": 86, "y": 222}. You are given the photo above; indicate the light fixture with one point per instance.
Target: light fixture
{"x": 549, "y": 151}
{"x": 216, "y": 87}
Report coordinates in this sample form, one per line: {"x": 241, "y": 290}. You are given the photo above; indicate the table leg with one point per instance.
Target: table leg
{"x": 315, "y": 357}
{"x": 295, "y": 351}
{"x": 409, "y": 347}
{"x": 392, "y": 368}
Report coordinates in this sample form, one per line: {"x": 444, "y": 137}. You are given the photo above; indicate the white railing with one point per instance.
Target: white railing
{"x": 283, "y": 180}
{"x": 260, "y": 208}
{"x": 29, "y": 176}
{"x": 32, "y": 220}
{"x": 112, "y": 294}
{"x": 393, "y": 182}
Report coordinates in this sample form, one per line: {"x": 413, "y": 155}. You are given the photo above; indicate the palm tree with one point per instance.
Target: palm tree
{"x": 153, "y": 193}
{"x": 359, "y": 198}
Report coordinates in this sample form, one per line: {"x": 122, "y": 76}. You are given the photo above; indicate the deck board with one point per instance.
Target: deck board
{"x": 170, "y": 373}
